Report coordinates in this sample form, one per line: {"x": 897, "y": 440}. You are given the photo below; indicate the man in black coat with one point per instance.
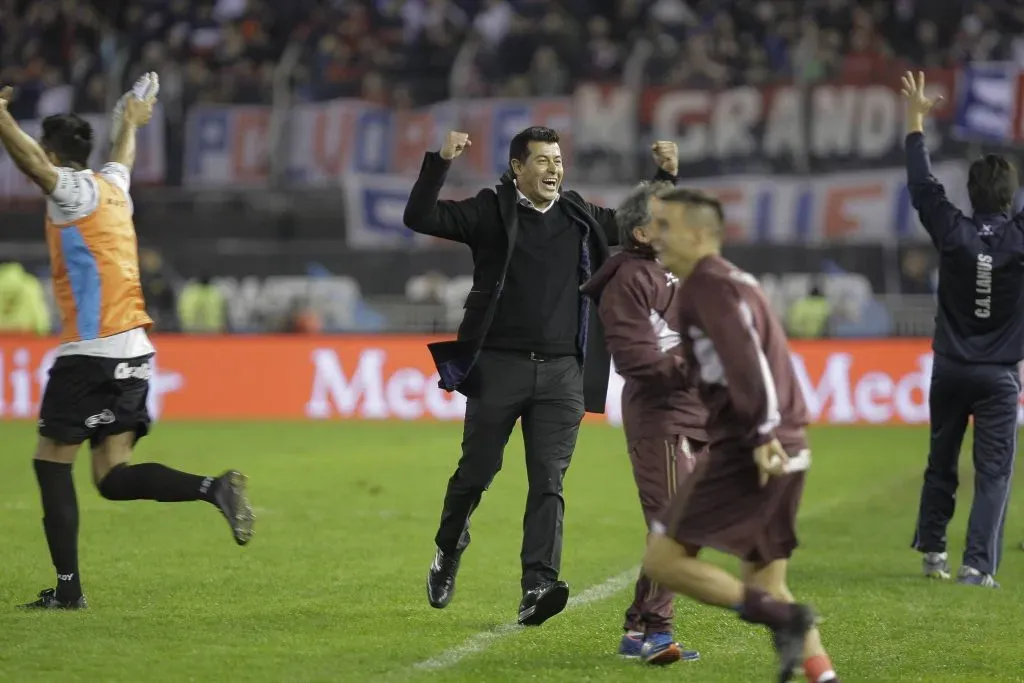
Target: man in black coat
{"x": 529, "y": 347}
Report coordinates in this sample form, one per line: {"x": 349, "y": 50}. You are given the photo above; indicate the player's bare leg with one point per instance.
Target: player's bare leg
{"x": 771, "y": 578}
{"x": 53, "y": 464}
{"x": 669, "y": 563}
{"x": 117, "y": 480}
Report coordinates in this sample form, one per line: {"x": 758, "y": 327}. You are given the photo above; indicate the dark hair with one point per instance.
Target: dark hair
{"x": 69, "y": 136}
{"x": 991, "y": 184}
{"x": 694, "y": 198}
{"x": 519, "y": 148}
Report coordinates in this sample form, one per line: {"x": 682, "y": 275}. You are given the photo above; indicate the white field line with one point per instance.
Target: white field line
{"x": 481, "y": 641}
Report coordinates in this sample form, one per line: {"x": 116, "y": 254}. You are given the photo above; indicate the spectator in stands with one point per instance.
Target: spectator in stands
{"x": 304, "y": 319}
{"x": 22, "y": 302}
{"x": 158, "y": 290}
{"x": 202, "y": 307}
{"x": 808, "y": 316}
{"x": 918, "y": 272}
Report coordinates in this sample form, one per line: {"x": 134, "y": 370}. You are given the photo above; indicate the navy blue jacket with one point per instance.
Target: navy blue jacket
{"x": 980, "y": 316}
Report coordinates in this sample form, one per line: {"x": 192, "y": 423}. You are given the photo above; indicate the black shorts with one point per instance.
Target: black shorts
{"x": 91, "y": 398}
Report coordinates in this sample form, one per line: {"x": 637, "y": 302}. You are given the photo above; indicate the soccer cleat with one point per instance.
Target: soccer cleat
{"x": 543, "y": 602}
{"x": 789, "y": 641}
{"x": 969, "y": 576}
{"x": 661, "y": 648}
{"x": 231, "y": 500}
{"x": 935, "y": 566}
{"x": 441, "y": 578}
{"x": 48, "y": 600}
{"x": 630, "y": 645}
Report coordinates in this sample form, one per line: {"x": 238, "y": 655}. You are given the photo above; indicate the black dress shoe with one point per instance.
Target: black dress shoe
{"x": 543, "y": 602}
{"x": 441, "y": 578}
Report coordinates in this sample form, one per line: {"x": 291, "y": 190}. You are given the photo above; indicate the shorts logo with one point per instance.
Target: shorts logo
{"x": 104, "y": 418}
{"x": 125, "y": 371}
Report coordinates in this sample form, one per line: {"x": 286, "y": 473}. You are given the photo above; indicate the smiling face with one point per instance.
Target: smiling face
{"x": 540, "y": 175}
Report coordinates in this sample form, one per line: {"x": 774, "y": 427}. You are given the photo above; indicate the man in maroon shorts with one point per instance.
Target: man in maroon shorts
{"x": 662, "y": 417}
{"x": 743, "y": 496}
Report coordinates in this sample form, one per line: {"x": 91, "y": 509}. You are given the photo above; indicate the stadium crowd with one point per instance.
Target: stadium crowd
{"x": 60, "y": 53}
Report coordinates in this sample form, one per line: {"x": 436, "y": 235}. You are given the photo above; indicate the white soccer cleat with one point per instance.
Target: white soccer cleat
{"x": 935, "y": 566}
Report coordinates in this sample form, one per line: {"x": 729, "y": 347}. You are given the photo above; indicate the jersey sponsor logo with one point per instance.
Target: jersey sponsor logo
{"x": 105, "y": 417}
{"x": 983, "y": 287}
{"x": 126, "y": 371}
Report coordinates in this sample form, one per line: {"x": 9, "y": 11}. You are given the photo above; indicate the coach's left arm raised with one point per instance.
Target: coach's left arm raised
{"x": 666, "y": 156}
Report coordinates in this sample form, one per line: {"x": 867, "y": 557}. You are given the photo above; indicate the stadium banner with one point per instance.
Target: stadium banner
{"x": 392, "y": 378}
{"x": 776, "y": 128}
{"x": 229, "y": 145}
{"x": 833, "y": 126}
{"x": 988, "y": 105}
{"x": 149, "y": 166}
{"x": 865, "y": 206}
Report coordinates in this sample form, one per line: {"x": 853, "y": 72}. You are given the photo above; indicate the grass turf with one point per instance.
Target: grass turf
{"x": 332, "y": 586}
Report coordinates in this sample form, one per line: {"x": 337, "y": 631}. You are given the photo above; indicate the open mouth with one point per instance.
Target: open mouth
{"x": 550, "y": 183}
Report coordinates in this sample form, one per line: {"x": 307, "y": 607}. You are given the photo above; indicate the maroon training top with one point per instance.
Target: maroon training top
{"x": 740, "y": 353}
{"x": 639, "y": 309}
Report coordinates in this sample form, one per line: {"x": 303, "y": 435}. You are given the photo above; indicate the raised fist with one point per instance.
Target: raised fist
{"x": 666, "y": 156}
{"x": 454, "y": 144}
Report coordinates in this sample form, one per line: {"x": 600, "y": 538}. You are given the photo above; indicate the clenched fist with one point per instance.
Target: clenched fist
{"x": 454, "y": 144}
{"x": 666, "y": 156}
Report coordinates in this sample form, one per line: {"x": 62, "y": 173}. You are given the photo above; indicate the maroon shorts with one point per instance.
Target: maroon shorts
{"x": 722, "y": 506}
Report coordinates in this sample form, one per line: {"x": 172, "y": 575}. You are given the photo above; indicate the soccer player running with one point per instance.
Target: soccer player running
{"x": 662, "y": 415}
{"x": 99, "y": 382}
{"x": 978, "y": 344}
{"x": 743, "y": 497}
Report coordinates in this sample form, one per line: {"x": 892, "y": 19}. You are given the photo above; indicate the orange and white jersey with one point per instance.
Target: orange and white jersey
{"x": 95, "y": 262}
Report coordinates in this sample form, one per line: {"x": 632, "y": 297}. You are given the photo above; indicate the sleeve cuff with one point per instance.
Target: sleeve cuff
{"x": 662, "y": 174}
{"x": 434, "y": 158}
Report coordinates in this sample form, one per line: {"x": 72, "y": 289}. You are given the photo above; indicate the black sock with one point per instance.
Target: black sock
{"x": 60, "y": 522}
{"x": 760, "y": 608}
{"x": 153, "y": 481}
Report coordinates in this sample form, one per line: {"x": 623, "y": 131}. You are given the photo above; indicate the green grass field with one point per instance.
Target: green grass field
{"x": 332, "y": 586}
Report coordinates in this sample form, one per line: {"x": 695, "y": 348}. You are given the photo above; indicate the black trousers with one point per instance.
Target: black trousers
{"x": 989, "y": 394}
{"x": 548, "y": 396}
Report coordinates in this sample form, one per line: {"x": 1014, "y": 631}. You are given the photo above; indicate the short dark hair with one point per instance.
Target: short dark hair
{"x": 519, "y": 147}
{"x": 991, "y": 184}
{"x": 694, "y": 198}
{"x": 68, "y": 136}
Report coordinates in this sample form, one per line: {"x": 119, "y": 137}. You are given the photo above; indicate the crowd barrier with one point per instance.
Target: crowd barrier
{"x": 391, "y": 377}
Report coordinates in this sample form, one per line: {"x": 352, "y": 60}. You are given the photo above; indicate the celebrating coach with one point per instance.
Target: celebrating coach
{"x": 529, "y": 346}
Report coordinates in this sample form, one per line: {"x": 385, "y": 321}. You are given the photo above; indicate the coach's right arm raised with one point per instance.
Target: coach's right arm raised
{"x": 425, "y": 213}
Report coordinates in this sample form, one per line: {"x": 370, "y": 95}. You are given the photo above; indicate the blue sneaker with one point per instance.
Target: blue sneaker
{"x": 631, "y": 645}
{"x": 969, "y": 576}
{"x": 661, "y": 648}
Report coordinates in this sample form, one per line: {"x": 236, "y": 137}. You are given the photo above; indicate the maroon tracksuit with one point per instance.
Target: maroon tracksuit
{"x": 738, "y": 350}
{"x": 662, "y": 417}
